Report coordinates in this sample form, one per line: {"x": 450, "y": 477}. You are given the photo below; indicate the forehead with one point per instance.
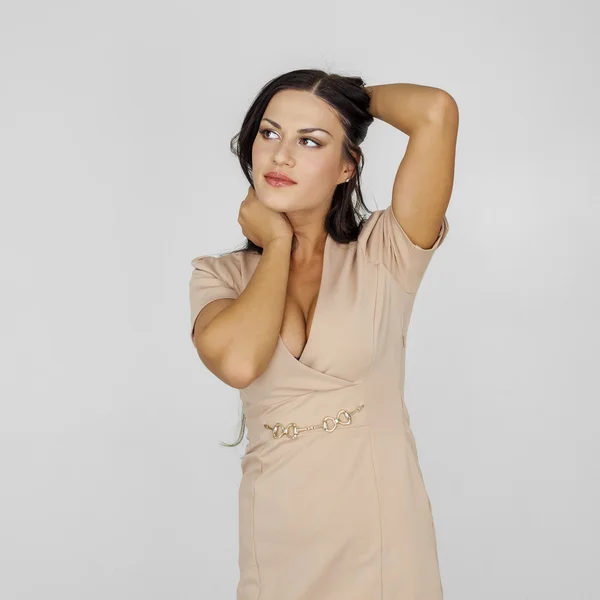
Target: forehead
{"x": 295, "y": 109}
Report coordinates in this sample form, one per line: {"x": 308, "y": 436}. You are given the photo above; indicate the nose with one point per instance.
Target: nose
{"x": 283, "y": 154}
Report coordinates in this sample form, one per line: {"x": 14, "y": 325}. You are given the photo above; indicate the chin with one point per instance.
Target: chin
{"x": 278, "y": 206}
{"x": 270, "y": 197}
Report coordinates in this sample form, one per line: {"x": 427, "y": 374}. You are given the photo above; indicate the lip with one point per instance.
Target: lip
{"x": 279, "y": 177}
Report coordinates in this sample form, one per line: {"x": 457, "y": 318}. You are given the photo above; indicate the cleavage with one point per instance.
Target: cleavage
{"x": 301, "y": 301}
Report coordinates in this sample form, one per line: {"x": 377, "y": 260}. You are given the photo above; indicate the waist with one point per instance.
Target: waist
{"x": 307, "y": 415}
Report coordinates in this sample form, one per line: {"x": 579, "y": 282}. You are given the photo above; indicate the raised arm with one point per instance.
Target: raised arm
{"x": 425, "y": 177}
{"x": 236, "y": 337}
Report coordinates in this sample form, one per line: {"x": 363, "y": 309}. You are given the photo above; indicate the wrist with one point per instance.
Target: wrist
{"x": 282, "y": 241}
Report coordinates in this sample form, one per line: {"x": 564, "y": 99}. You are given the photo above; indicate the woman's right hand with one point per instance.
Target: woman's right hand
{"x": 261, "y": 224}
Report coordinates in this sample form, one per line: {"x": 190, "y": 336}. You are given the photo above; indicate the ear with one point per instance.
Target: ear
{"x": 349, "y": 170}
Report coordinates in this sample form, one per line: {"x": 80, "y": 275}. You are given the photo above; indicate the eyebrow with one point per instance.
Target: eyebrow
{"x": 305, "y": 130}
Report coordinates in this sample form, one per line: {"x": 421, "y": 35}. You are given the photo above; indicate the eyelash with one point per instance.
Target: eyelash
{"x": 263, "y": 131}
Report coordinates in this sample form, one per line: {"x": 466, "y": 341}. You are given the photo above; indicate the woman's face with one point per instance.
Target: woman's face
{"x": 312, "y": 159}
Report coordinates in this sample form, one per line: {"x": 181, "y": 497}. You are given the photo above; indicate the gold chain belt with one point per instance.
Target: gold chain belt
{"x": 328, "y": 424}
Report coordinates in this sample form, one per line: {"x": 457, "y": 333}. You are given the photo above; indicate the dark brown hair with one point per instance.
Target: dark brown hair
{"x": 350, "y": 99}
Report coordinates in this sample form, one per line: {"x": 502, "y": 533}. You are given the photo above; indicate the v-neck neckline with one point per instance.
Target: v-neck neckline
{"x": 318, "y": 308}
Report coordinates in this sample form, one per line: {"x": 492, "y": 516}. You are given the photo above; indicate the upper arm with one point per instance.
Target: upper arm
{"x": 213, "y": 278}
{"x": 234, "y": 378}
{"x": 206, "y": 315}
{"x": 425, "y": 177}
{"x": 214, "y": 285}
{"x": 404, "y": 237}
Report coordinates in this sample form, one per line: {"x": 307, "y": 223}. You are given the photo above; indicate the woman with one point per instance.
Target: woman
{"x": 309, "y": 321}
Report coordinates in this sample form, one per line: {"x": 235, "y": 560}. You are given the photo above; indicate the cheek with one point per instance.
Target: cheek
{"x": 258, "y": 150}
{"x": 320, "y": 171}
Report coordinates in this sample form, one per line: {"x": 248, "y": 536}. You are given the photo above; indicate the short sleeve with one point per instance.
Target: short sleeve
{"x": 385, "y": 242}
{"x": 212, "y": 278}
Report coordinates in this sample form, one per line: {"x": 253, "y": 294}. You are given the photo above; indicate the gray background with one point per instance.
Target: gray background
{"x": 114, "y": 148}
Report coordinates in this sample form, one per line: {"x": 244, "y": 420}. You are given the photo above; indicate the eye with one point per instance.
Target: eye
{"x": 313, "y": 141}
{"x": 264, "y": 131}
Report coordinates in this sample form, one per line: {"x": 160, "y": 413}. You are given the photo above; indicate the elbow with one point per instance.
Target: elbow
{"x": 445, "y": 107}
{"x": 238, "y": 374}
{"x": 228, "y": 366}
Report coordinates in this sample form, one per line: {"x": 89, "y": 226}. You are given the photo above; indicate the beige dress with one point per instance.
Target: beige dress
{"x": 340, "y": 514}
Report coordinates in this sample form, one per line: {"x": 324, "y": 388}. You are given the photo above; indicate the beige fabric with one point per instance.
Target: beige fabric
{"x": 341, "y": 515}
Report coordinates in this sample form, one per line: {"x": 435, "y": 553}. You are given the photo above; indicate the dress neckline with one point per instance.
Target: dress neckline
{"x": 318, "y": 307}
